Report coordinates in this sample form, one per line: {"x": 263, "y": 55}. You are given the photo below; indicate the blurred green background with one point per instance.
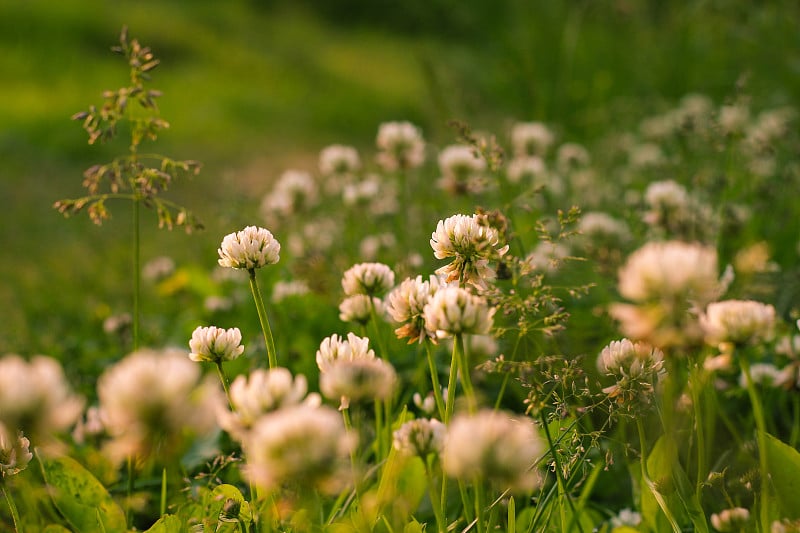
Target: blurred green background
{"x": 251, "y": 88}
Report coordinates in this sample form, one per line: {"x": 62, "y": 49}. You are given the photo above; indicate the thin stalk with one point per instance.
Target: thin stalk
{"x": 451, "y": 389}
{"x": 460, "y": 355}
{"x": 437, "y": 389}
{"x": 224, "y": 381}
{"x": 13, "y": 508}
{"x": 373, "y": 315}
{"x": 163, "y": 506}
{"x": 662, "y": 503}
{"x": 131, "y": 478}
{"x": 696, "y": 389}
{"x": 479, "y": 505}
{"x": 562, "y": 490}
{"x": 507, "y": 375}
{"x": 348, "y": 426}
{"x": 441, "y": 525}
{"x": 761, "y": 437}
{"x": 136, "y": 269}
{"x": 380, "y": 451}
{"x": 263, "y": 319}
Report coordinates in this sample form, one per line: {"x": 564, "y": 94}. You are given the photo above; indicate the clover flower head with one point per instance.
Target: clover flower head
{"x": 294, "y": 191}
{"x": 333, "y": 348}
{"x": 373, "y": 279}
{"x": 461, "y": 169}
{"x": 626, "y": 517}
{"x": 455, "y": 310}
{"x": 406, "y": 306}
{"x": 420, "y": 437}
{"x": 15, "y": 453}
{"x": 401, "y": 146}
{"x": 495, "y": 446}
{"x": 357, "y": 380}
{"x": 358, "y": 308}
{"x": 215, "y": 344}
{"x": 250, "y": 248}
{"x": 635, "y": 367}
{"x": 339, "y": 159}
{"x": 572, "y": 156}
{"x": 738, "y": 322}
{"x": 531, "y": 138}
{"x": 528, "y": 169}
{"x": 730, "y": 519}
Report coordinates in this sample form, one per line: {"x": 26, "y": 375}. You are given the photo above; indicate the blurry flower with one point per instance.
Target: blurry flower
{"x": 786, "y": 525}
{"x": 373, "y": 279}
{"x": 262, "y": 392}
{"x": 527, "y": 169}
{"x": 602, "y": 234}
{"x": 635, "y": 367}
{"x": 461, "y": 169}
{"x": 358, "y": 380}
{"x": 300, "y": 446}
{"x": 339, "y": 160}
{"x": 216, "y": 304}
{"x": 215, "y": 344}
{"x": 335, "y": 347}
{"x": 401, "y": 146}
{"x": 427, "y": 405}
{"x": 733, "y": 119}
{"x": 626, "y": 517}
{"x": 472, "y": 243}
{"x": 153, "y": 401}
{"x": 420, "y": 437}
{"x": 91, "y": 426}
{"x": 357, "y": 308}
{"x": 673, "y": 212}
{"x": 454, "y": 310}
{"x": 738, "y": 322}
{"x": 572, "y": 156}
{"x": 733, "y": 519}
{"x": 406, "y": 305}
{"x": 250, "y": 248}
{"x": 15, "y": 453}
{"x": 482, "y": 346}
{"x": 158, "y": 268}
{"x": 35, "y": 398}
{"x": 284, "y": 289}
{"x": 646, "y": 155}
{"x": 766, "y": 375}
{"x": 754, "y": 259}
{"x": 548, "y": 256}
{"x": 117, "y": 324}
{"x": 496, "y": 447}
{"x": 531, "y": 138}
{"x": 294, "y": 191}
{"x": 371, "y": 245}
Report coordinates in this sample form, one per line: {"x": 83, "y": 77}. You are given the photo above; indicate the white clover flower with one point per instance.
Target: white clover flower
{"x": 285, "y": 289}
{"x": 371, "y": 245}
{"x": 339, "y": 159}
{"x": 454, "y": 310}
{"x": 358, "y": 380}
{"x": 294, "y": 191}
{"x": 766, "y": 375}
{"x": 733, "y": 118}
{"x": 90, "y": 426}
{"x": 626, "y": 517}
{"x": 785, "y": 525}
{"x": 357, "y": 308}
{"x": 373, "y": 279}
{"x": 461, "y": 169}
{"x": 263, "y": 391}
{"x": 117, "y": 324}
{"x": 15, "y": 453}
{"x": 215, "y": 344}
{"x": 335, "y": 347}
{"x": 153, "y": 401}
{"x": 738, "y": 322}
{"x": 301, "y": 445}
{"x": 158, "y": 268}
{"x": 401, "y": 146}
{"x": 35, "y": 397}
{"x": 472, "y": 243}
{"x": 531, "y": 138}
{"x": 635, "y": 367}
{"x": 548, "y": 256}
{"x": 530, "y": 169}
{"x": 730, "y": 519}
{"x": 667, "y": 194}
{"x": 496, "y": 447}
{"x": 406, "y": 305}
{"x": 646, "y": 155}
{"x": 572, "y": 156}
{"x": 428, "y": 404}
{"x": 420, "y": 437}
{"x": 596, "y": 225}
{"x": 248, "y": 249}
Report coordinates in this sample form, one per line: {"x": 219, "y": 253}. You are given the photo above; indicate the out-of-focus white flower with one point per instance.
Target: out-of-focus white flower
{"x": 359, "y": 307}
{"x": 152, "y": 401}
{"x": 338, "y": 159}
{"x": 333, "y": 348}
{"x": 494, "y": 446}
{"x": 548, "y": 256}
{"x": 596, "y": 225}
{"x": 626, "y": 517}
{"x": 786, "y": 525}
{"x": 646, "y": 155}
{"x": 730, "y": 519}
{"x": 294, "y": 191}
{"x": 316, "y": 236}
{"x": 15, "y": 453}
{"x": 454, "y": 310}
{"x": 461, "y": 169}
{"x": 472, "y": 242}
{"x": 401, "y": 146}
{"x": 766, "y": 375}
{"x": 307, "y": 447}
{"x": 117, "y": 324}
{"x": 373, "y": 279}
{"x": 262, "y": 392}
{"x": 406, "y": 305}
{"x": 667, "y": 194}
{"x": 216, "y": 304}
{"x": 35, "y": 398}
{"x": 158, "y": 268}
{"x": 428, "y": 404}
{"x": 248, "y": 249}
{"x": 358, "y": 380}
{"x": 529, "y": 169}
{"x": 572, "y": 156}
{"x": 733, "y": 118}
{"x": 531, "y": 138}
{"x": 91, "y": 426}
{"x": 738, "y": 322}
{"x": 371, "y": 245}
{"x": 215, "y": 344}
{"x": 420, "y": 437}
{"x": 284, "y": 289}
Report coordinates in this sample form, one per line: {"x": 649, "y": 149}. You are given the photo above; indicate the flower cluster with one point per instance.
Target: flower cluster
{"x": 738, "y": 322}
{"x": 406, "y": 305}
{"x": 454, "y": 310}
{"x": 635, "y": 367}
{"x": 401, "y": 146}
{"x": 250, "y": 248}
{"x": 372, "y": 279}
{"x": 215, "y": 344}
{"x": 420, "y": 437}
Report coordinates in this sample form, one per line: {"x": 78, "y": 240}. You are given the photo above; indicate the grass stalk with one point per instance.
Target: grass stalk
{"x": 761, "y": 434}
{"x": 263, "y": 319}
{"x": 662, "y": 503}
{"x": 12, "y": 507}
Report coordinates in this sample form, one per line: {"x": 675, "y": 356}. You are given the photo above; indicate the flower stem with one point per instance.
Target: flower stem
{"x": 224, "y": 381}
{"x": 136, "y": 269}
{"x": 13, "y": 508}
{"x": 460, "y": 355}
{"x": 451, "y": 390}
{"x": 348, "y": 426}
{"x": 163, "y": 507}
{"x": 262, "y": 317}
{"x": 761, "y": 437}
{"x": 437, "y": 389}
{"x": 662, "y": 503}
{"x": 436, "y": 503}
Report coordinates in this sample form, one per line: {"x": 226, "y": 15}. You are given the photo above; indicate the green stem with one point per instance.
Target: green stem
{"x": 348, "y": 426}
{"x": 380, "y": 452}
{"x": 131, "y": 479}
{"x": 562, "y": 490}
{"x": 696, "y": 390}
{"x": 451, "y": 389}
{"x": 224, "y": 381}
{"x": 761, "y": 437}
{"x": 479, "y": 505}
{"x": 437, "y": 389}
{"x": 163, "y": 507}
{"x": 436, "y": 503}
{"x": 13, "y": 508}
{"x": 263, "y": 319}
{"x": 136, "y": 270}
{"x": 662, "y": 503}
{"x": 373, "y": 314}
{"x": 460, "y": 355}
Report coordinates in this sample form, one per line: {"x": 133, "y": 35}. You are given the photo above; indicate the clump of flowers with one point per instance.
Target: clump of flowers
{"x": 406, "y": 305}
{"x": 454, "y": 310}
{"x": 472, "y": 243}
{"x": 215, "y": 344}
{"x": 373, "y": 279}
{"x": 401, "y": 146}
{"x": 357, "y": 380}
{"x": 738, "y": 322}
{"x": 250, "y": 248}
{"x": 339, "y": 160}
{"x": 734, "y": 519}
{"x": 531, "y": 138}
{"x": 420, "y": 437}
{"x": 461, "y": 169}
{"x": 635, "y": 367}
{"x": 495, "y": 447}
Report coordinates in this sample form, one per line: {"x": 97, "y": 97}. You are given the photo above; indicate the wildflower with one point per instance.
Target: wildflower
{"x": 786, "y": 525}
{"x": 401, "y": 146}
{"x": 472, "y": 243}
{"x": 339, "y": 160}
{"x": 358, "y": 379}
{"x": 35, "y": 397}
{"x": 453, "y": 310}
{"x": 15, "y": 453}
{"x": 461, "y": 169}
{"x": 158, "y": 268}
{"x": 373, "y": 279}
{"x": 572, "y": 156}
{"x": 406, "y": 305}
{"x": 371, "y": 245}
{"x": 529, "y": 169}
{"x": 420, "y": 437}
{"x": 153, "y": 401}
{"x": 90, "y": 426}
{"x": 733, "y": 118}
{"x": 294, "y": 191}
{"x": 738, "y": 322}
{"x": 334, "y": 348}
{"x": 626, "y": 517}
{"x": 117, "y": 324}
{"x": 301, "y": 446}
{"x": 217, "y": 304}
{"x": 427, "y": 405}
{"x": 531, "y": 138}
{"x": 215, "y": 344}
{"x": 635, "y": 367}
{"x": 547, "y": 256}
{"x": 494, "y": 446}
{"x": 284, "y": 289}
{"x": 598, "y": 226}
{"x": 359, "y": 307}
{"x": 249, "y": 249}
{"x": 766, "y": 375}
{"x": 730, "y": 519}
{"x": 260, "y": 393}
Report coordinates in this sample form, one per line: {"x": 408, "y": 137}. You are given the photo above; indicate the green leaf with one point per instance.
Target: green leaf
{"x": 55, "y": 528}
{"x": 413, "y": 527}
{"x": 81, "y": 498}
{"x": 167, "y": 524}
{"x": 783, "y": 463}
